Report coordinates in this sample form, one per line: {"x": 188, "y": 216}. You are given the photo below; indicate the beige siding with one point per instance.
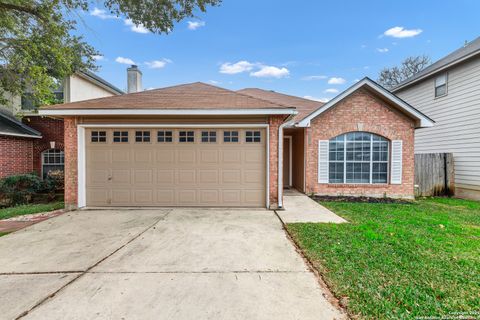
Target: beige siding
{"x": 78, "y": 89}
{"x": 457, "y": 117}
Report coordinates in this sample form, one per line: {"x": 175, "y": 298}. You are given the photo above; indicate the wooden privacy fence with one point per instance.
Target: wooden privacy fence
{"x": 434, "y": 174}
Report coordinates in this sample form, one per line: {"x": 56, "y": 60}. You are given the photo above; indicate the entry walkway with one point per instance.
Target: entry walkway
{"x": 301, "y": 208}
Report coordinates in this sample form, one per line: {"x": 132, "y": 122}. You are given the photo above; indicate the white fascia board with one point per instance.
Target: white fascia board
{"x": 19, "y": 135}
{"x": 424, "y": 121}
{"x": 173, "y": 125}
{"x": 151, "y": 112}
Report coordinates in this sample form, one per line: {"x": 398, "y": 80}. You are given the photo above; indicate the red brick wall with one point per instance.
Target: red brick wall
{"x": 52, "y": 130}
{"x": 274, "y": 123}
{"x": 15, "y": 156}
{"x": 71, "y": 185}
{"x": 361, "y": 112}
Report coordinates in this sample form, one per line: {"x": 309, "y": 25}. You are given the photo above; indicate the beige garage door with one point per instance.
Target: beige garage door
{"x": 176, "y": 167}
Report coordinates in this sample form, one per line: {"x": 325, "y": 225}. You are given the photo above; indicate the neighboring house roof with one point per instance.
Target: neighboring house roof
{"x": 468, "y": 51}
{"x": 90, "y": 76}
{"x": 302, "y": 105}
{"x": 10, "y": 126}
{"x": 423, "y": 120}
{"x": 197, "y": 98}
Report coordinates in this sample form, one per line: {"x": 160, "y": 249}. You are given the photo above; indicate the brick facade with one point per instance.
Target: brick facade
{"x": 361, "y": 112}
{"x": 71, "y": 168}
{"x": 274, "y": 123}
{"x": 16, "y": 155}
{"x": 51, "y": 130}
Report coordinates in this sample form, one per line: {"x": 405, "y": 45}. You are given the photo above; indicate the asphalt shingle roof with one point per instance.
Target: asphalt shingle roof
{"x": 196, "y": 95}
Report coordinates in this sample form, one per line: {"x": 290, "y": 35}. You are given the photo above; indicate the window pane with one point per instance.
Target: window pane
{"x": 441, "y": 80}
{"x": 440, "y": 91}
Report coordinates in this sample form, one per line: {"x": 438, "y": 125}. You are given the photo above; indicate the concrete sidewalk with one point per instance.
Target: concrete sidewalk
{"x": 159, "y": 264}
{"x": 301, "y": 208}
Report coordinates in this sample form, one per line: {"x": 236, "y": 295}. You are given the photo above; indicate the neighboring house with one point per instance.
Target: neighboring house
{"x": 35, "y": 143}
{"x": 449, "y": 91}
{"x": 201, "y": 145}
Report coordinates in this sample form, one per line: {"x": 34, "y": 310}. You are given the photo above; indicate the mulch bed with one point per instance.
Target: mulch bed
{"x": 360, "y": 199}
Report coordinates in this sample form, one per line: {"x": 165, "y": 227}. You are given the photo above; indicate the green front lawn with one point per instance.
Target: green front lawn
{"x": 399, "y": 260}
{"x": 29, "y": 209}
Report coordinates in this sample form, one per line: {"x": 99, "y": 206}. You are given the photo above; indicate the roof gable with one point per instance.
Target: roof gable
{"x": 302, "y": 105}
{"x": 422, "y": 119}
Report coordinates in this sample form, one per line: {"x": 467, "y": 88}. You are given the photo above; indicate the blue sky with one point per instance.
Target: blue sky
{"x": 305, "y": 48}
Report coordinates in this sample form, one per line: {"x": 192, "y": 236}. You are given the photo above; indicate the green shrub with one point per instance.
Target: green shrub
{"x": 19, "y": 189}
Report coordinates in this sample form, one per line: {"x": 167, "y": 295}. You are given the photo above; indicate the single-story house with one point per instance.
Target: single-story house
{"x": 201, "y": 145}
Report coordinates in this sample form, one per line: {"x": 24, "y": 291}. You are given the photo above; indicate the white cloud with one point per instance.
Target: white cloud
{"x": 271, "y": 72}
{"x": 123, "y": 60}
{"x": 102, "y": 14}
{"x": 238, "y": 67}
{"x": 214, "y": 82}
{"x": 356, "y": 80}
{"x": 319, "y": 77}
{"x": 194, "y": 25}
{"x": 135, "y": 28}
{"x": 331, "y": 90}
{"x": 324, "y": 100}
{"x": 98, "y": 57}
{"x": 158, "y": 64}
{"x": 401, "y": 32}
{"x": 335, "y": 80}
{"x": 382, "y": 50}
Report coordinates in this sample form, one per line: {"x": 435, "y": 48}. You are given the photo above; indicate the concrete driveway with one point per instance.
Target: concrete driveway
{"x": 158, "y": 264}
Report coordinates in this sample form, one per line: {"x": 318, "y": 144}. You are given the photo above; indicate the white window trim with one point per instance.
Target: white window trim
{"x": 43, "y": 161}
{"x": 371, "y": 162}
{"x": 81, "y": 150}
{"x": 435, "y": 85}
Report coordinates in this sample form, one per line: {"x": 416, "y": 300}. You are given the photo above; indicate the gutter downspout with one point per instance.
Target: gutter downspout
{"x": 287, "y": 122}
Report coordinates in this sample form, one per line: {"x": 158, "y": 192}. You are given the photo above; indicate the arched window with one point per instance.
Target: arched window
{"x": 52, "y": 159}
{"x": 358, "y": 157}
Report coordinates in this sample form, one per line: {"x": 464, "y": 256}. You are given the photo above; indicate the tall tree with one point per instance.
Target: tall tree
{"x": 38, "y": 49}
{"x": 391, "y": 77}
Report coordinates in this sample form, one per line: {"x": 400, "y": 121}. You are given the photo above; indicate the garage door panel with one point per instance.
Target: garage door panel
{"x": 232, "y": 176}
{"x": 165, "y": 156}
{"x": 232, "y": 197}
{"x": 233, "y": 156}
{"x": 187, "y": 196}
{"x": 186, "y": 156}
{"x": 208, "y": 176}
{"x": 143, "y": 176}
{"x": 253, "y": 196}
{"x": 186, "y": 177}
{"x": 121, "y": 197}
{"x": 176, "y": 173}
{"x": 98, "y": 156}
{"x": 143, "y": 197}
{"x": 98, "y": 196}
{"x": 209, "y": 156}
{"x": 252, "y": 176}
{"x": 166, "y": 177}
{"x": 98, "y": 177}
{"x": 253, "y": 156}
{"x": 121, "y": 176}
{"x": 209, "y": 197}
{"x": 166, "y": 197}
{"x": 121, "y": 155}
{"x": 142, "y": 155}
